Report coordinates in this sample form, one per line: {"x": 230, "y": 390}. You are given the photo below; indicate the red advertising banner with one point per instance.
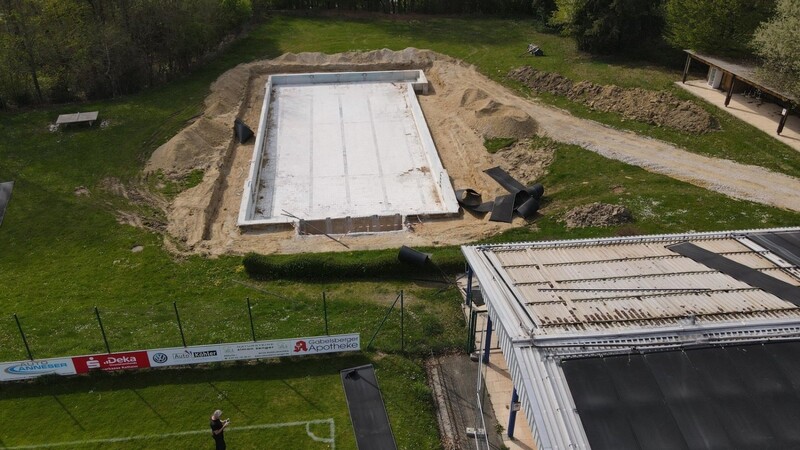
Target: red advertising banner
{"x": 111, "y": 361}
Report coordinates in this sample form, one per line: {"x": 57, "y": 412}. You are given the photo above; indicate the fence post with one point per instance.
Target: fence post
{"x": 389, "y": 311}
{"x": 180, "y": 327}
{"x": 102, "y": 330}
{"x": 250, "y": 313}
{"x": 24, "y": 340}
{"x": 402, "y": 331}
{"x": 325, "y": 312}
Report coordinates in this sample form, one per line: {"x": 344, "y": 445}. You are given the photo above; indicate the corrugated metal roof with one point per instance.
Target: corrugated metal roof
{"x": 602, "y": 285}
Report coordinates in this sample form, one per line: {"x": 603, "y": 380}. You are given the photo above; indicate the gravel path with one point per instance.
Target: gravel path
{"x": 736, "y": 180}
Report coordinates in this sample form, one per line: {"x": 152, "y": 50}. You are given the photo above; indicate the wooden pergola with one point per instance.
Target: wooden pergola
{"x": 742, "y": 73}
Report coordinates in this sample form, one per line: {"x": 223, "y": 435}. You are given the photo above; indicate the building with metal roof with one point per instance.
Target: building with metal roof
{"x": 563, "y": 311}
{"x": 734, "y": 76}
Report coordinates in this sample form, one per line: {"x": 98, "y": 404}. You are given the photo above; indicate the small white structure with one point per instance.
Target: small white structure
{"x": 346, "y": 152}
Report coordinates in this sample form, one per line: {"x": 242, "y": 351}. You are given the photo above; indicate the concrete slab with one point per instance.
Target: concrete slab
{"x": 762, "y": 115}
{"x": 335, "y": 149}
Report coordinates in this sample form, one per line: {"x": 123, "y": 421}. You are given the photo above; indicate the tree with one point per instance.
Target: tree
{"x": 776, "y": 42}
{"x": 608, "y": 26}
{"x": 722, "y": 27}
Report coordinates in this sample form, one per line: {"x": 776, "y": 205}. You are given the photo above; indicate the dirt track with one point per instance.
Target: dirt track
{"x": 464, "y": 108}
{"x": 727, "y": 177}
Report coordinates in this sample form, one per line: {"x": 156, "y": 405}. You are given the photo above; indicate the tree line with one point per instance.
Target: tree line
{"x": 68, "y": 50}
{"x": 762, "y": 29}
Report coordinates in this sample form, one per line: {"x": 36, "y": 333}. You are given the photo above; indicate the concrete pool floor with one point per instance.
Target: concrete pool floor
{"x": 351, "y": 149}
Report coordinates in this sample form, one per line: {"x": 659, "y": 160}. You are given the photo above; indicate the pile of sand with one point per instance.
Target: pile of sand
{"x": 656, "y": 108}
{"x": 597, "y": 215}
{"x": 492, "y": 119}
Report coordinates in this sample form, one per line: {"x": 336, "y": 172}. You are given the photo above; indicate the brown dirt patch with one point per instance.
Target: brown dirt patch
{"x": 656, "y": 108}
{"x": 598, "y": 215}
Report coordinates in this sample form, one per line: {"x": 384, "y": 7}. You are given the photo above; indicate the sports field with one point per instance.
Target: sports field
{"x": 295, "y": 404}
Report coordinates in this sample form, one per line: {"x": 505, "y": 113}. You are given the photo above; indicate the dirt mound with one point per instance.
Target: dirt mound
{"x": 598, "y": 215}
{"x": 653, "y": 107}
{"x": 196, "y": 147}
{"x": 526, "y": 162}
{"x": 490, "y": 118}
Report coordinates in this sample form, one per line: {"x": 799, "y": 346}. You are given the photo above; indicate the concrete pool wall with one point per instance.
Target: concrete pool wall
{"x": 344, "y": 152}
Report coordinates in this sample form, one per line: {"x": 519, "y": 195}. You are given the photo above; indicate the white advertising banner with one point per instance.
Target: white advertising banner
{"x": 21, "y": 370}
{"x": 179, "y": 356}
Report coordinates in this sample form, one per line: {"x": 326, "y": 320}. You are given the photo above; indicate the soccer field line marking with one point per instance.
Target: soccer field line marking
{"x": 264, "y": 426}
{"x": 314, "y": 437}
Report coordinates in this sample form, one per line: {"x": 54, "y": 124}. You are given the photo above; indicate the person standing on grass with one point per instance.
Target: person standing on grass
{"x": 218, "y": 429}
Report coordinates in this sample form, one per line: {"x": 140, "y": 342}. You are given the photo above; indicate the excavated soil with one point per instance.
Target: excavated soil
{"x": 657, "y": 108}
{"x": 463, "y": 108}
{"x": 597, "y": 215}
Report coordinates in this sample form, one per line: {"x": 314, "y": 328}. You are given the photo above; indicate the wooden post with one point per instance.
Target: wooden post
{"x": 730, "y": 90}
{"x": 784, "y": 116}
{"x": 686, "y": 67}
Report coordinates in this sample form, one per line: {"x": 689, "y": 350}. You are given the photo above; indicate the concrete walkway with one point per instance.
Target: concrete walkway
{"x": 499, "y": 387}
{"x": 762, "y": 115}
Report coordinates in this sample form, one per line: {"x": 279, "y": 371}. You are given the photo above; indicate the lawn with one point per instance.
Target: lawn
{"x": 270, "y": 406}
{"x": 62, "y": 254}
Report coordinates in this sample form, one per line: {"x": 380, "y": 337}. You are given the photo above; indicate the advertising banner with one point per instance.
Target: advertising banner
{"x": 111, "y": 361}
{"x": 21, "y": 370}
{"x": 179, "y": 356}
{"x": 292, "y": 347}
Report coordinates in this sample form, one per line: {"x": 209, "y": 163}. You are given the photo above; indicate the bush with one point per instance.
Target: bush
{"x": 379, "y": 264}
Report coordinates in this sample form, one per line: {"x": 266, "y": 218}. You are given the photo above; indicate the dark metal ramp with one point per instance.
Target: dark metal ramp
{"x": 5, "y": 196}
{"x": 745, "y": 274}
{"x": 742, "y": 397}
{"x": 367, "y": 410}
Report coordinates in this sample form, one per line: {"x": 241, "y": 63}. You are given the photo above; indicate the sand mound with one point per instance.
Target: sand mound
{"x": 597, "y": 215}
{"x": 657, "y": 108}
{"x": 196, "y": 147}
{"x": 490, "y": 118}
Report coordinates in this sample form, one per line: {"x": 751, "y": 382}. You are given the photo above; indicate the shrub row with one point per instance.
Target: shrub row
{"x": 378, "y": 264}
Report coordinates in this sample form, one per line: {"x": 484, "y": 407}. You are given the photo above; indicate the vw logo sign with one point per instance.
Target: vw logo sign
{"x": 160, "y": 358}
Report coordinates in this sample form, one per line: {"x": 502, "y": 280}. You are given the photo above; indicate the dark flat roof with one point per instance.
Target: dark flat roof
{"x": 742, "y": 397}
{"x": 743, "y": 70}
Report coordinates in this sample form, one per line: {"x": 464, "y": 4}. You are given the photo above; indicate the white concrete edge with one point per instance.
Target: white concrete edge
{"x": 247, "y": 204}
{"x": 441, "y": 177}
{"x": 414, "y": 76}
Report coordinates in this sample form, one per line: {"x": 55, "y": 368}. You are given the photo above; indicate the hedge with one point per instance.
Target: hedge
{"x": 380, "y": 264}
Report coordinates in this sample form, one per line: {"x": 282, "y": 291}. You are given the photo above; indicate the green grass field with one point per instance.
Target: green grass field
{"x": 62, "y": 254}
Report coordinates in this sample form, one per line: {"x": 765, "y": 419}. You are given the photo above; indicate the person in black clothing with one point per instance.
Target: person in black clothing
{"x": 218, "y": 429}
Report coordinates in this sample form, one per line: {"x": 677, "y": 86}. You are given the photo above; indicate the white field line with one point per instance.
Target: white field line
{"x": 307, "y": 423}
